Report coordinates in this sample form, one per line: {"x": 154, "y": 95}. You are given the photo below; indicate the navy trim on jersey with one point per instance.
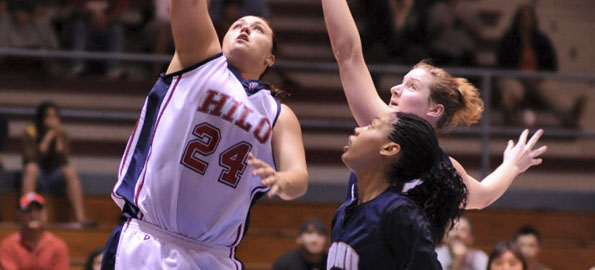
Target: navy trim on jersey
{"x": 250, "y": 86}
{"x": 111, "y": 247}
{"x": 275, "y": 122}
{"x": 143, "y": 146}
{"x": 236, "y": 73}
{"x": 168, "y": 77}
{"x": 278, "y": 111}
{"x": 257, "y": 193}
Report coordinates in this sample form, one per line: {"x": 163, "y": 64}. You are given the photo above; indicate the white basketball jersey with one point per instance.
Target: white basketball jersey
{"x": 184, "y": 169}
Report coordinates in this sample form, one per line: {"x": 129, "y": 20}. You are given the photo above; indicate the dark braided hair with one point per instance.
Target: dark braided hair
{"x": 442, "y": 194}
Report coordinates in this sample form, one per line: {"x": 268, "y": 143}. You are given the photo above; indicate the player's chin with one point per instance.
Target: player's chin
{"x": 394, "y": 107}
{"x": 346, "y": 158}
{"x": 239, "y": 48}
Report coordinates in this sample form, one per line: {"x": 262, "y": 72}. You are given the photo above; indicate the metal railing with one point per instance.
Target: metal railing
{"x": 486, "y": 75}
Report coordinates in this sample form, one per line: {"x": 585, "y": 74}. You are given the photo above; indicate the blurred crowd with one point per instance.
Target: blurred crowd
{"x": 450, "y": 32}
{"x": 115, "y": 26}
{"x": 458, "y": 251}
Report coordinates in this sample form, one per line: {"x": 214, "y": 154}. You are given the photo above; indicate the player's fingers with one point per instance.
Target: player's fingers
{"x": 274, "y": 190}
{"x": 535, "y": 138}
{"x": 257, "y": 172}
{"x": 536, "y": 161}
{"x": 268, "y": 181}
{"x": 509, "y": 146}
{"x": 250, "y": 157}
{"x": 257, "y": 163}
{"x": 537, "y": 152}
{"x": 263, "y": 172}
{"x": 250, "y": 161}
{"x": 523, "y": 137}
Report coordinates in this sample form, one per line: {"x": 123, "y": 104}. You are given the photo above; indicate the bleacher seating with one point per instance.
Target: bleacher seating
{"x": 568, "y": 238}
{"x": 569, "y": 165}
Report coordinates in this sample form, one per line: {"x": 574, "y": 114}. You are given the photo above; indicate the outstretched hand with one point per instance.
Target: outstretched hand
{"x": 521, "y": 155}
{"x": 269, "y": 176}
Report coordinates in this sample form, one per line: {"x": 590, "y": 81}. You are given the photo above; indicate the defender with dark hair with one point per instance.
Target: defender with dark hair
{"x": 384, "y": 228}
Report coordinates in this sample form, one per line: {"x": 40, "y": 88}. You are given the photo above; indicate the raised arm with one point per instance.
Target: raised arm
{"x": 291, "y": 178}
{"x": 194, "y": 34}
{"x": 363, "y": 99}
{"x": 517, "y": 158}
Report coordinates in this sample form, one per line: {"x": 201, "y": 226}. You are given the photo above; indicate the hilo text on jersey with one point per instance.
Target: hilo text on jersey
{"x": 236, "y": 113}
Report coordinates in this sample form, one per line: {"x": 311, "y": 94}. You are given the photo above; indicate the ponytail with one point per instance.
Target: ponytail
{"x": 277, "y": 92}
{"x": 442, "y": 195}
{"x": 461, "y": 100}
{"x": 471, "y": 104}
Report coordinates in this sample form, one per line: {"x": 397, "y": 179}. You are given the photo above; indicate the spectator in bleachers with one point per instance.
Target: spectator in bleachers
{"x": 506, "y": 256}
{"x": 45, "y": 157}
{"x": 25, "y": 24}
{"x": 3, "y": 139}
{"x": 159, "y": 32}
{"x": 393, "y": 30}
{"x": 94, "y": 260}
{"x": 528, "y": 240}
{"x": 453, "y": 29}
{"x": 98, "y": 27}
{"x": 311, "y": 253}
{"x": 457, "y": 253}
{"x": 32, "y": 247}
{"x": 525, "y": 47}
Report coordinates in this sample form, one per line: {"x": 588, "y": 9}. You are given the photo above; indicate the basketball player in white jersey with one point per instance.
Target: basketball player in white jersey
{"x": 210, "y": 140}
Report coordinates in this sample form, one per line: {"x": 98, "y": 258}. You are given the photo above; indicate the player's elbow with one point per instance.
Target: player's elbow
{"x": 478, "y": 202}
{"x": 347, "y": 50}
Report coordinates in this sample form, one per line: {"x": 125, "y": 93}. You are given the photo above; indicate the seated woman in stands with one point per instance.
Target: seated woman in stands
{"x": 506, "y": 256}
{"x": 45, "y": 159}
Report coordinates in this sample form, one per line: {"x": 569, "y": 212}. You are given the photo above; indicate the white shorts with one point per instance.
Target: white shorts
{"x": 144, "y": 246}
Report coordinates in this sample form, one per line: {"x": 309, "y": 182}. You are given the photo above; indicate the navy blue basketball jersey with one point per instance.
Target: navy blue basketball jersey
{"x": 388, "y": 232}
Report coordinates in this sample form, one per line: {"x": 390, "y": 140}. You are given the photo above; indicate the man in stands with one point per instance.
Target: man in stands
{"x": 311, "y": 254}
{"x": 32, "y": 247}
{"x": 529, "y": 241}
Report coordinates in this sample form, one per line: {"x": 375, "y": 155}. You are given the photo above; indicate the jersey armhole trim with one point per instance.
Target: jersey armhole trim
{"x": 278, "y": 111}
{"x": 168, "y": 77}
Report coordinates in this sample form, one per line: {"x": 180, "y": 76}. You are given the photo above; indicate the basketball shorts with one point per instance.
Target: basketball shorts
{"x": 145, "y": 246}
